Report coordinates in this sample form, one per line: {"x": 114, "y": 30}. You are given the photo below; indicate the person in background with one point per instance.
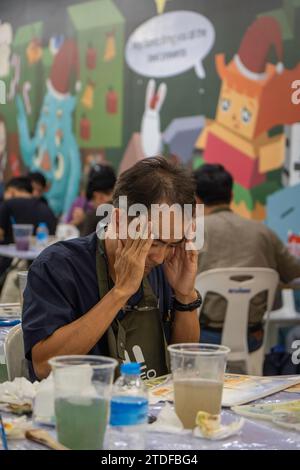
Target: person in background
{"x": 77, "y": 211}
{"x": 99, "y": 191}
{"x": 39, "y": 185}
{"x": 21, "y": 207}
{"x": 233, "y": 241}
{"x": 85, "y": 206}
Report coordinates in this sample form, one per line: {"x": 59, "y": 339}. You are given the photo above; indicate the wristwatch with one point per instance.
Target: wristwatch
{"x": 187, "y": 307}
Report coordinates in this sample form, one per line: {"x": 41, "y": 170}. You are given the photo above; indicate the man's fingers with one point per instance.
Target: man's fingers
{"x": 146, "y": 241}
{"x": 139, "y": 232}
{"x": 119, "y": 248}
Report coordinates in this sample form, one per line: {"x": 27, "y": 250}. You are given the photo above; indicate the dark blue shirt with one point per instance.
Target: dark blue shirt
{"x": 62, "y": 286}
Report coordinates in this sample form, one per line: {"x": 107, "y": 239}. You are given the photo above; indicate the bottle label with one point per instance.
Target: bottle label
{"x": 128, "y": 410}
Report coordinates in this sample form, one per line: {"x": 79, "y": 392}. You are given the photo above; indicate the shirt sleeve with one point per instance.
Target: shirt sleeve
{"x": 48, "y": 301}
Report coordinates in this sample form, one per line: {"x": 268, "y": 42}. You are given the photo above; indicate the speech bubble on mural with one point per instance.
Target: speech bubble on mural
{"x": 170, "y": 44}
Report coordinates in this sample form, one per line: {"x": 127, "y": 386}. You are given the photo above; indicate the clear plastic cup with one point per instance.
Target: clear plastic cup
{"x": 22, "y": 281}
{"x": 198, "y": 376}
{"x": 82, "y": 390}
{"x": 22, "y": 235}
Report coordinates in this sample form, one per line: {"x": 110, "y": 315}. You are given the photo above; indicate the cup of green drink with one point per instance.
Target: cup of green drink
{"x": 82, "y": 387}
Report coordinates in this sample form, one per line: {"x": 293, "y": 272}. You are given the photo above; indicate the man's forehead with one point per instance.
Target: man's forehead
{"x": 169, "y": 230}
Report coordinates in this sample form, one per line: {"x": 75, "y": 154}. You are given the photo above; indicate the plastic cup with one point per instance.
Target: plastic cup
{"x": 198, "y": 377}
{"x": 22, "y": 235}
{"x": 82, "y": 390}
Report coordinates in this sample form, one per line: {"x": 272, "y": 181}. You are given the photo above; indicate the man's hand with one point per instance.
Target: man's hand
{"x": 130, "y": 260}
{"x": 181, "y": 270}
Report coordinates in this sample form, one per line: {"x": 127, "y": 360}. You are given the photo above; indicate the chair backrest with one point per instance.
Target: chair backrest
{"x": 14, "y": 354}
{"x": 238, "y": 286}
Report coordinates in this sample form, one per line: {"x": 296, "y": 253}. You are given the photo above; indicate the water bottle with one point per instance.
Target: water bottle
{"x": 128, "y": 410}
{"x": 42, "y": 234}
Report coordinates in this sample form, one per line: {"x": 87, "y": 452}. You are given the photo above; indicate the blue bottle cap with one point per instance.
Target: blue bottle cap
{"x": 131, "y": 368}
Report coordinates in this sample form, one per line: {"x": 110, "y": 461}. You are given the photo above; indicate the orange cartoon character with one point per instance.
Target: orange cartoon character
{"x": 255, "y": 97}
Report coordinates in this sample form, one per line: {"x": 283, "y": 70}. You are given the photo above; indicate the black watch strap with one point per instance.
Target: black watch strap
{"x": 187, "y": 307}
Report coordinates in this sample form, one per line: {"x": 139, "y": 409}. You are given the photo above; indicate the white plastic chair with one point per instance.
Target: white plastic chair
{"x": 238, "y": 294}
{"x": 14, "y": 354}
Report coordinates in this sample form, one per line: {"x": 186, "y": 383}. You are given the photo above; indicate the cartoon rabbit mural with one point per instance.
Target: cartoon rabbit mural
{"x": 151, "y": 136}
{"x": 53, "y": 150}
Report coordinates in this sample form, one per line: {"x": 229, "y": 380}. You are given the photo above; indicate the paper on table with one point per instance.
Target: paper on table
{"x": 22, "y": 395}
{"x": 254, "y": 388}
{"x": 168, "y": 422}
{"x": 15, "y": 428}
{"x": 286, "y": 414}
{"x": 293, "y": 389}
{"x": 238, "y": 389}
{"x": 44, "y": 402}
{"x": 18, "y": 392}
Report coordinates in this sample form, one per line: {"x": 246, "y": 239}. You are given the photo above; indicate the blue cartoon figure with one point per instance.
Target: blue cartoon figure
{"x": 53, "y": 149}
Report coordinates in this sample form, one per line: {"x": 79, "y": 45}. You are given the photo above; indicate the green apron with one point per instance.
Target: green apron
{"x": 139, "y": 335}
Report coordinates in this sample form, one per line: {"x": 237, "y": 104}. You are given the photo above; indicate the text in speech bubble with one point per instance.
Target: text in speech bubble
{"x": 170, "y": 44}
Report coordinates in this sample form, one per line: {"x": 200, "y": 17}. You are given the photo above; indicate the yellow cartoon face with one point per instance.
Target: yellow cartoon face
{"x": 237, "y": 112}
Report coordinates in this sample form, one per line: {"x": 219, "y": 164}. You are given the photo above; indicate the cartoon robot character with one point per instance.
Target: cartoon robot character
{"x": 53, "y": 149}
{"x": 255, "y": 96}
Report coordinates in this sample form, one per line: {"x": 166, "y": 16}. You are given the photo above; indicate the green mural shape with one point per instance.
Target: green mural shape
{"x": 99, "y": 29}
{"x": 33, "y": 73}
{"x": 286, "y": 17}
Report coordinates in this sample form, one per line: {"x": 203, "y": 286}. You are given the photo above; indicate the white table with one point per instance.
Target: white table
{"x": 255, "y": 435}
{"x": 10, "y": 251}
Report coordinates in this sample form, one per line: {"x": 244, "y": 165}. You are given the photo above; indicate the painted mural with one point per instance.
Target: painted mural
{"x": 53, "y": 149}
{"x": 255, "y": 97}
{"x": 122, "y": 80}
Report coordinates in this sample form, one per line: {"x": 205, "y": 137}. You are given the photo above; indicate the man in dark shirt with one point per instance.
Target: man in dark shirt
{"x": 20, "y": 207}
{"x": 112, "y": 296}
{"x": 62, "y": 288}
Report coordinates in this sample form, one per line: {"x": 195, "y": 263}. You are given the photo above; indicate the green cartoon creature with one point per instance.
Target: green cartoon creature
{"x": 53, "y": 150}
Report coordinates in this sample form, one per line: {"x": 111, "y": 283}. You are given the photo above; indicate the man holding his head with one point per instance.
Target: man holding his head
{"x": 121, "y": 297}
